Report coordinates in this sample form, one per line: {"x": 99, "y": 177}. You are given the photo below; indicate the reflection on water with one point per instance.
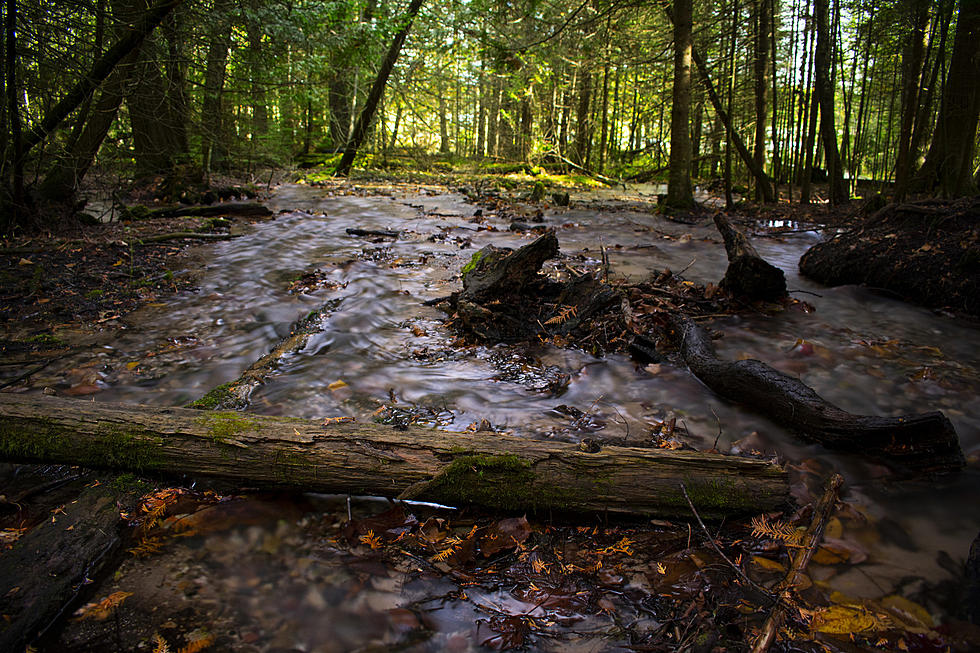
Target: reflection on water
{"x": 867, "y": 353}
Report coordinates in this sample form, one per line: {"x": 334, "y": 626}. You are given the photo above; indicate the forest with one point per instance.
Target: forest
{"x": 865, "y": 95}
{"x": 354, "y": 325}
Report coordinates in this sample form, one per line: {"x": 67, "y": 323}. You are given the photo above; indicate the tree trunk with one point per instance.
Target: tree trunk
{"x": 583, "y": 126}
{"x": 763, "y": 35}
{"x": 374, "y": 97}
{"x": 99, "y": 71}
{"x": 257, "y": 92}
{"x": 67, "y": 173}
{"x": 760, "y": 175}
{"x": 825, "y": 95}
{"x": 212, "y": 139}
{"x": 491, "y": 470}
{"x": 949, "y": 164}
{"x": 680, "y": 195}
{"x": 911, "y": 72}
{"x": 925, "y": 442}
{"x": 13, "y": 109}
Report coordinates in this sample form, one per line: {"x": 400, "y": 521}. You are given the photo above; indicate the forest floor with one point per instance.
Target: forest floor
{"x": 597, "y": 586}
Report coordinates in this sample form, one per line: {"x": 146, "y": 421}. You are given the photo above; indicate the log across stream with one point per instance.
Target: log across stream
{"x": 490, "y": 470}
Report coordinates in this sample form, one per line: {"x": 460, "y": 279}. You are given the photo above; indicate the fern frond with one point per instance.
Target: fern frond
{"x": 776, "y": 530}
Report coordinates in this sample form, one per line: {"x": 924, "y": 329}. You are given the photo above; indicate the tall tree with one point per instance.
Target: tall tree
{"x": 680, "y": 195}
{"x": 918, "y": 15}
{"x": 949, "y": 164}
{"x": 825, "y": 96}
{"x": 213, "y": 144}
{"x": 377, "y": 89}
{"x": 763, "y": 34}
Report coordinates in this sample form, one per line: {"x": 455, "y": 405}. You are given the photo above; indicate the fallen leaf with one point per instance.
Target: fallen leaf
{"x": 337, "y": 385}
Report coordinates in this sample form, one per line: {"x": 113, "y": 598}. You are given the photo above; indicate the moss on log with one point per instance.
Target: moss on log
{"x": 489, "y": 470}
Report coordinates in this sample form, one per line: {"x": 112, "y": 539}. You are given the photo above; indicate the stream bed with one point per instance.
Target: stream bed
{"x": 279, "y": 583}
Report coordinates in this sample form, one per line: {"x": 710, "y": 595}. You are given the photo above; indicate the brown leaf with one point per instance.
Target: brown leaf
{"x": 504, "y": 534}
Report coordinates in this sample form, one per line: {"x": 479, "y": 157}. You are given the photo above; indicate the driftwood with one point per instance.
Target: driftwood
{"x": 42, "y": 575}
{"x": 237, "y": 394}
{"x": 748, "y": 274}
{"x": 491, "y": 470}
{"x": 925, "y": 442}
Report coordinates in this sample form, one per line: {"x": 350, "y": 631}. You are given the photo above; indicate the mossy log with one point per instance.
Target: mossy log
{"x": 490, "y": 470}
{"x": 748, "y": 274}
{"x": 925, "y": 442}
{"x": 43, "y": 573}
{"x": 237, "y": 394}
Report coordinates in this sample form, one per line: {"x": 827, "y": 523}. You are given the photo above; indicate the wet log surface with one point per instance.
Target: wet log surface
{"x": 748, "y": 274}
{"x": 924, "y": 442}
{"x": 237, "y": 394}
{"x": 66, "y": 551}
{"x": 491, "y": 470}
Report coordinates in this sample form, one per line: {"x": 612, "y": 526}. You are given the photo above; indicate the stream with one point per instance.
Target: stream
{"x": 860, "y": 350}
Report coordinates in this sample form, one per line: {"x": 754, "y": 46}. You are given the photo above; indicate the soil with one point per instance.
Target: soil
{"x": 927, "y": 252}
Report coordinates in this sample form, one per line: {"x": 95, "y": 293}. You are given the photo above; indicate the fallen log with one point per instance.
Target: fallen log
{"x": 925, "y": 442}
{"x": 490, "y": 470}
{"x": 180, "y": 235}
{"x": 243, "y": 209}
{"x": 748, "y": 274}
{"x": 237, "y": 394}
{"x": 43, "y": 573}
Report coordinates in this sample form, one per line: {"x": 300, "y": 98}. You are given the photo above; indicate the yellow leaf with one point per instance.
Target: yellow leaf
{"x": 117, "y": 263}
{"x": 199, "y": 644}
{"x": 161, "y": 644}
{"x": 845, "y": 619}
{"x": 25, "y": 261}
{"x": 770, "y": 565}
{"x": 661, "y": 568}
{"x": 132, "y": 364}
{"x": 913, "y": 616}
{"x": 834, "y": 528}
{"x": 337, "y": 385}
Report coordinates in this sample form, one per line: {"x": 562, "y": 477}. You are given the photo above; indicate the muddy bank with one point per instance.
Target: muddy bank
{"x": 927, "y": 252}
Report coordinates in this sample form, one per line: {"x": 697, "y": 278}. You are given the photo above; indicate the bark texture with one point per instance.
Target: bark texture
{"x": 680, "y": 195}
{"x": 65, "y": 550}
{"x": 925, "y": 442}
{"x": 748, "y": 274}
{"x": 491, "y": 470}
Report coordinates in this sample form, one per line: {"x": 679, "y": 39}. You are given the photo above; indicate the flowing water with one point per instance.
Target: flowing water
{"x": 865, "y": 352}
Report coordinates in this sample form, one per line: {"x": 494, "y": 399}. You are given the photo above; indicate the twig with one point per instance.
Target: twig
{"x": 711, "y": 540}
{"x": 31, "y": 372}
{"x": 686, "y": 267}
{"x": 807, "y": 292}
{"x": 812, "y": 539}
